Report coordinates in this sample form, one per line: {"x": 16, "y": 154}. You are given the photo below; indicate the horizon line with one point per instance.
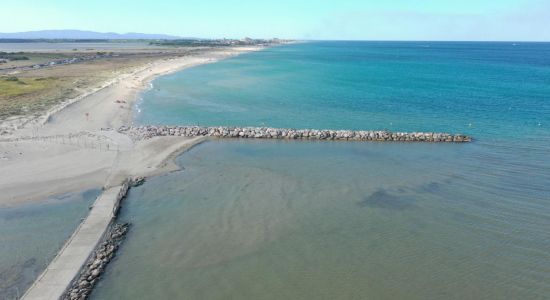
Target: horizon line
{"x": 291, "y": 39}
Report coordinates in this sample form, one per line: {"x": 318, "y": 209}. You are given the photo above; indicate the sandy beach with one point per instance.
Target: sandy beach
{"x": 75, "y": 145}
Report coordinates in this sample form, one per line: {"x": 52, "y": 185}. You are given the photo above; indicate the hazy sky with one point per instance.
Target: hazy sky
{"x": 298, "y": 19}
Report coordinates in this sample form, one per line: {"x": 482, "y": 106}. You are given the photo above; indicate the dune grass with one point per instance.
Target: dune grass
{"x": 13, "y": 86}
{"x": 25, "y": 95}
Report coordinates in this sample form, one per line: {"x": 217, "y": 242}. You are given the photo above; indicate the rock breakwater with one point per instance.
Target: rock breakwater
{"x": 83, "y": 285}
{"x": 144, "y": 132}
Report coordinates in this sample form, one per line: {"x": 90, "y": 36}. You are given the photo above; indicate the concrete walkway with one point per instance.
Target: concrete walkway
{"x": 145, "y": 158}
{"x": 51, "y": 284}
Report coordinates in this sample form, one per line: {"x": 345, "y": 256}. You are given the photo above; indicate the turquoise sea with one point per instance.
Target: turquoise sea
{"x": 337, "y": 220}
{"x": 489, "y": 90}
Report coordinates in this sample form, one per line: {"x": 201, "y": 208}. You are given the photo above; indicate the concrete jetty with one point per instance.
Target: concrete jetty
{"x": 145, "y": 132}
{"x": 57, "y": 277}
{"x": 66, "y": 277}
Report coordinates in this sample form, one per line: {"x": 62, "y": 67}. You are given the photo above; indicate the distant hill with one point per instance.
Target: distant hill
{"x": 87, "y": 35}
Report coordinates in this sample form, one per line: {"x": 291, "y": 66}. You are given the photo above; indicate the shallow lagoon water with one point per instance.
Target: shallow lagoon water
{"x": 65, "y": 47}
{"x": 334, "y": 220}
{"x": 31, "y": 235}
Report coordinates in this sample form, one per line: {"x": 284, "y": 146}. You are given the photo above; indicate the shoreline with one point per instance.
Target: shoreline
{"x": 95, "y": 118}
{"x": 129, "y": 164}
{"x": 71, "y": 146}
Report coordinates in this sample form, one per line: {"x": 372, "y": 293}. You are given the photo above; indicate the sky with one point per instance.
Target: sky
{"x": 487, "y": 20}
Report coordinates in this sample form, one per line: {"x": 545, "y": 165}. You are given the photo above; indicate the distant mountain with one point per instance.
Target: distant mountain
{"x": 81, "y": 34}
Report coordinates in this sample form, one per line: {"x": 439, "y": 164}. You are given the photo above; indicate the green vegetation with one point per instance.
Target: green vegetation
{"x": 13, "y": 86}
{"x": 13, "y": 56}
{"x": 25, "y": 95}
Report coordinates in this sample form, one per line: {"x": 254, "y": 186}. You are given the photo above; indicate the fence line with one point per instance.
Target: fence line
{"x": 83, "y": 140}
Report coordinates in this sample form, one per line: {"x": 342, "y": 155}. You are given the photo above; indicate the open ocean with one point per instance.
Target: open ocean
{"x": 349, "y": 220}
